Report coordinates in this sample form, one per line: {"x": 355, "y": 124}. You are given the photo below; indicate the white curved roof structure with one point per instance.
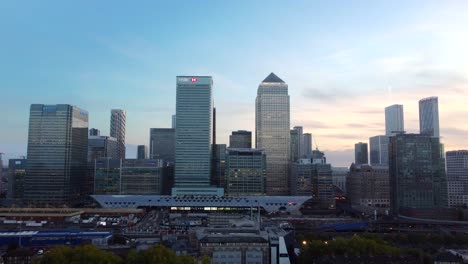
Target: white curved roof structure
{"x": 290, "y": 204}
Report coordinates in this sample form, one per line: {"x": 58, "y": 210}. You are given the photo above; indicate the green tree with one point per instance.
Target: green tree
{"x": 82, "y": 254}
{"x": 205, "y": 260}
{"x": 158, "y": 254}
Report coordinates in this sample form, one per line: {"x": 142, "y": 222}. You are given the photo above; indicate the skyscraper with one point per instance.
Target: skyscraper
{"x": 378, "y": 150}
{"x": 307, "y": 145}
{"x": 102, "y": 147}
{"x": 429, "y": 116}
{"x": 360, "y": 153}
{"x": 174, "y": 121}
{"x": 117, "y": 130}
{"x": 57, "y": 153}
{"x": 417, "y": 172}
{"x": 94, "y": 132}
{"x": 272, "y": 131}
{"x": 295, "y": 152}
{"x": 457, "y": 177}
{"x": 394, "y": 120}
{"x": 162, "y": 144}
{"x": 142, "y": 152}
{"x": 193, "y": 135}
{"x": 240, "y": 139}
{"x": 300, "y": 133}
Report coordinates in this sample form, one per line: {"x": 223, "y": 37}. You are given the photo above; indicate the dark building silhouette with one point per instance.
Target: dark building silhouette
{"x": 417, "y": 172}
{"x": 360, "y": 153}
{"x": 240, "y": 139}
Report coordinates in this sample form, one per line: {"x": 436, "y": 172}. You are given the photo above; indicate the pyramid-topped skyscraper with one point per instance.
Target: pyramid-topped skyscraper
{"x": 272, "y": 132}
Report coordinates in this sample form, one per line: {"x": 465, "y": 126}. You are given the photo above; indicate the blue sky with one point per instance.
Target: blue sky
{"x": 344, "y": 62}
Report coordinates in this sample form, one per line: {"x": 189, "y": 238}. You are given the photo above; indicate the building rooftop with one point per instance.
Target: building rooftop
{"x": 272, "y": 78}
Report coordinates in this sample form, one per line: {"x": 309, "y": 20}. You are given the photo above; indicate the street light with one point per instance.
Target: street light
{"x": 304, "y": 242}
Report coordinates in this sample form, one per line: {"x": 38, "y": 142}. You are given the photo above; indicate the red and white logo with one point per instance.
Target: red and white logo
{"x": 194, "y": 79}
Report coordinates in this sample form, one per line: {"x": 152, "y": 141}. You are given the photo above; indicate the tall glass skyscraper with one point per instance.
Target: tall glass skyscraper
{"x": 57, "y": 154}
{"x": 429, "y": 116}
{"x": 193, "y": 135}
{"x": 394, "y": 121}
{"x": 117, "y": 130}
{"x": 272, "y": 124}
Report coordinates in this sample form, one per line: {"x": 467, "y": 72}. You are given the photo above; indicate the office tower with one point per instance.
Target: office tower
{"x": 117, "y": 130}
{"x": 360, "y": 153}
{"x": 457, "y": 177}
{"x": 218, "y": 165}
{"x": 240, "y": 139}
{"x": 313, "y": 178}
{"x": 300, "y": 133}
{"x": 57, "y": 152}
{"x": 307, "y": 145}
{"x": 142, "y": 152}
{"x": 162, "y": 144}
{"x": 429, "y": 116}
{"x": 107, "y": 176}
{"x": 193, "y": 136}
{"x": 394, "y": 121}
{"x": 16, "y": 174}
{"x": 141, "y": 177}
{"x": 128, "y": 176}
{"x": 417, "y": 172}
{"x": 94, "y": 132}
{"x": 368, "y": 186}
{"x": 174, "y": 121}
{"x": 102, "y": 147}
{"x": 295, "y": 150}
{"x": 378, "y": 150}
{"x": 245, "y": 172}
{"x": 272, "y": 132}
{"x": 339, "y": 175}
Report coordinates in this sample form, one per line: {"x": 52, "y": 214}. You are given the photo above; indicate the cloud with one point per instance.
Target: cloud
{"x": 327, "y": 95}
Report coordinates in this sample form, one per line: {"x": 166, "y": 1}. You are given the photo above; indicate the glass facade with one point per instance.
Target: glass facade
{"x": 360, "y": 153}
{"x": 307, "y": 145}
{"x": 193, "y": 133}
{"x": 117, "y": 130}
{"x": 142, "y": 152}
{"x": 295, "y": 145}
{"x": 162, "y": 144}
{"x": 240, "y": 139}
{"x": 141, "y": 177}
{"x": 16, "y": 174}
{"x": 429, "y": 116}
{"x": 457, "y": 177}
{"x": 57, "y": 154}
{"x": 107, "y": 176}
{"x": 394, "y": 121}
{"x": 245, "y": 172}
{"x": 272, "y": 129}
{"x": 417, "y": 172}
{"x": 313, "y": 179}
{"x": 128, "y": 177}
{"x": 378, "y": 150}
{"x": 102, "y": 147}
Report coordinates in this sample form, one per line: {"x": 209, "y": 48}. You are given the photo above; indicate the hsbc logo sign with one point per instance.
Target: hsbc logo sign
{"x": 187, "y": 79}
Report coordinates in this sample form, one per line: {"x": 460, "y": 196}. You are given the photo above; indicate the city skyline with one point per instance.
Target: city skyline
{"x": 130, "y": 67}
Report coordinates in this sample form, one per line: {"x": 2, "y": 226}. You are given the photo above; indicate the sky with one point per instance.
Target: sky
{"x": 344, "y": 62}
